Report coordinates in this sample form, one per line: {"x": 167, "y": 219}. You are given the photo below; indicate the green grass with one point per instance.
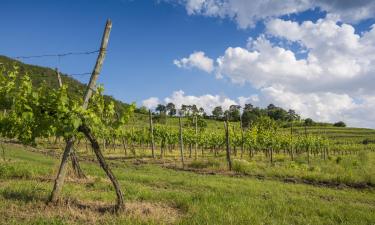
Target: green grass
{"x": 196, "y": 199}
{"x": 352, "y": 170}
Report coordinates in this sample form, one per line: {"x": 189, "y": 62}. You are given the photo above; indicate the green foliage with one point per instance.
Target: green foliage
{"x": 339, "y": 124}
{"x": 44, "y": 112}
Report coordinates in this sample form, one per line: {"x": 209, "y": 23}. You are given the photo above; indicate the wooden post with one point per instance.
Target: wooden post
{"x": 99, "y": 64}
{"x": 226, "y": 126}
{"x": 96, "y": 147}
{"x": 59, "y": 181}
{"x": 3, "y": 149}
{"x": 291, "y": 141}
{"x": 307, "y": 149}
{"x": 196, "y": 138}
{"x": 73, "y": 156}
{"x": 181, "y": 143}
{"x": 242, "y": 137}
{"x": 152, "y": 134}
{"x": 58, "y": 77}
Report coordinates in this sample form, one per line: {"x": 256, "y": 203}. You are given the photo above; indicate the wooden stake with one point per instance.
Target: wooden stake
{"x": 226, "y": 126}
{"x": 196, "y": 137}
{"x": 59, "y": 77}
{"x": 73, "y": 156}
{"x": 152, "y": 134}
{"x": 59, "y": 181}
{"x": 181, "y": 143}
{"x": 242, "y": 137}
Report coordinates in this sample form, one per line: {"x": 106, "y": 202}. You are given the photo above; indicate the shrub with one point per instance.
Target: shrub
{"x": 339, "y": 124}
{"x": 241, "y": 166}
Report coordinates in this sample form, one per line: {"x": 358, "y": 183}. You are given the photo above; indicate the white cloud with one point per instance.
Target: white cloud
{"x": 207, "y": 102}
{"x": 325, "y": 106}
{"x": 151, "y": 103}
{"x": 332, "y": 81}
{"x": 253, "y": 99}
{"x": 197, "y": 60}
{"x": 247, "y": 12}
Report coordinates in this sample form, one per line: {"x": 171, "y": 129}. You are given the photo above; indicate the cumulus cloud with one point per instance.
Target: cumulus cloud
{"x": 196, "y": 60}
{"x": 333, "y": 81}
{"x": 246, "y": 13}
{"x": 151, "y": 103}
{"x": 207, "y": 102}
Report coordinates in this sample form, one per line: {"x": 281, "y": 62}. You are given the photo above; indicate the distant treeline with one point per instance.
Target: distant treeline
{"x": 247, "y": 115}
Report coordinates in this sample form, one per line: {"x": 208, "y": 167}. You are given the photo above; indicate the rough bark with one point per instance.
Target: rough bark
{"x": 76, "y": 166}
{"x": 95, "y": 146}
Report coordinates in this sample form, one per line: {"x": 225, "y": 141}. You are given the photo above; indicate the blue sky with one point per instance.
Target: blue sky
{"x": 146, "y": 37}
{"x": 322, "y": 68}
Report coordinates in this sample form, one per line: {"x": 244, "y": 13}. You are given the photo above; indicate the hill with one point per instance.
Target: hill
{"x": 39, "y": 74}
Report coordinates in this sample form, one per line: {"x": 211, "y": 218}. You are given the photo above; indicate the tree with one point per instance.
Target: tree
{"x": 234, "y": 112}
{"x": 248, "y": 118}
{"x": 292, "y": 115}
{"x": 161, "y": 108}
{"x": 142, "y": 110}
{"x": 218, "y": 112}
{"x": 339, "y": 124}
{"x": 171, "y": 109}
{"x": 184, "y": 110}
{"x": 271, "y": 107}
{"x": 309, "y": 122}
{"x": 202, "y": 112}
{"x": 248, "y": 107}
{"x": 194, "y": 109}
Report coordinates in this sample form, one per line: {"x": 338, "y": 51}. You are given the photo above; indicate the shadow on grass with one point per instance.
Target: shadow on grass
{"x": 26, "y": 195}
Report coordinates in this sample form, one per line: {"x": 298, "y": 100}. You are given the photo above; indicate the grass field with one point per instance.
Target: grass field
{"x": 157, "y": 195}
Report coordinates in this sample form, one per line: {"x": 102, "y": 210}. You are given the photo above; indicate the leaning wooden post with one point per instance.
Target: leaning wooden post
{"x": 226, "y": 126}
{"x": 152, "y": 134}
{"x": 96, "y": 148}
{"x": 59, "y": 181}
{"x": 181, "y": 143}
{"x": 73, "y": 156}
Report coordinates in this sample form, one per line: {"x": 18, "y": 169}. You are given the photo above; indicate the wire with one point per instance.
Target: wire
{"x": 79, "y": 74}
{"x": 57, "y": 55}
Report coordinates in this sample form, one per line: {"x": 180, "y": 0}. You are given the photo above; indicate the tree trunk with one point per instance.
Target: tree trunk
{"x": 95, "y": 145}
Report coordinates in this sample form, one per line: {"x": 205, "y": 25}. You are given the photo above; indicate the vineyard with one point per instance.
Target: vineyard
{"x": 186, "y": 169}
